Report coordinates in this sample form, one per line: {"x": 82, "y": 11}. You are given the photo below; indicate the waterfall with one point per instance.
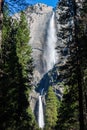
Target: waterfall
{"x": 41, "y": 115}
{"x": 49, "y": 60}
{"x": 50, "y": 53}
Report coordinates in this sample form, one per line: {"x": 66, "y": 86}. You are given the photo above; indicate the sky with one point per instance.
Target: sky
{"x": 16, "y": 8}
{"x": 48, "y": 2}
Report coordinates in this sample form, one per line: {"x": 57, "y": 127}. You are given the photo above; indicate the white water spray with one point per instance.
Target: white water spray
{"x": 49, "y": 50}
{"x": 49, "y": 56}
{"x": 41, "y": 115}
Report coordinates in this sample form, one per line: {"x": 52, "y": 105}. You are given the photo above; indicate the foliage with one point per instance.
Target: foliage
{"x": 17, "y": 69}
{"x": 68, "y": 111}
{"x": 51, "y": 110}
{"x": 16, "y": 77}
{"x": 75, "y": 66}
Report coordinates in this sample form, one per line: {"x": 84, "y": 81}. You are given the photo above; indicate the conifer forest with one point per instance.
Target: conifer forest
{"x": 43, "y": 65}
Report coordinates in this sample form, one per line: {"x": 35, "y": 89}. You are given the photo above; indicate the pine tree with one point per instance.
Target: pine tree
{"x": 68, "y": 113}
{"x": 82, "y": 41}
{"x": 72, "y": 74}
{"x": 51, "y": 110}
{"x": 15, "y": 112}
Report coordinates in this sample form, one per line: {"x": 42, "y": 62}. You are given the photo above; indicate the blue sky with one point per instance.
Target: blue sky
{"x": 48, "y": 2}
{"x": 16, "y": 8}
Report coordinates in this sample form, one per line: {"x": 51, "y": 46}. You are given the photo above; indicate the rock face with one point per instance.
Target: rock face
{"x": 65, "y": 25}
{"x": 38, "y": 17}
{"x": 65, "y": 30}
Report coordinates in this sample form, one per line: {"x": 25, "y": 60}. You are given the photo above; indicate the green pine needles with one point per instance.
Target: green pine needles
{"x": 16, "y": 78}
{"x": 51, "y": 110}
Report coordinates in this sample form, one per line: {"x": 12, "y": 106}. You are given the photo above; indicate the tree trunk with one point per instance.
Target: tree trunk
{"x": 1, "y": 19}
{"x": 79, "y": 75}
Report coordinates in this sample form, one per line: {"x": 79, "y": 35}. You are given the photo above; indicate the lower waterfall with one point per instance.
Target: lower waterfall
{"x": 41, "y": 115}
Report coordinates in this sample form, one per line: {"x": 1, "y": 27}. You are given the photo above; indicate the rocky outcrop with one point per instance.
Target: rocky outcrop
{"x": 65, "y": 32}
{"x": 38, "y": 17}
{"x": 64, "y": 20}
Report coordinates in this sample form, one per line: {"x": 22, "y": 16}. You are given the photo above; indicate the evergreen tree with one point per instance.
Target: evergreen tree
{"x": 15, "y": 112}
{"x": 1, "y": 15}
{"x": 72, "y": 75}
{"x": 68, "y": 113}
{"x": 51, "y": 110}
{"x": 82, "y": 41}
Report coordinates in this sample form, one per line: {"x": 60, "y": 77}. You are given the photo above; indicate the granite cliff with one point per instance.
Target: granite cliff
{"x": 38, "y": 17}
{"x": 46, "y": 52}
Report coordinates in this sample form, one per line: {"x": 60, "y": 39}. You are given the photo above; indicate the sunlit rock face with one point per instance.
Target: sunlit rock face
{"x": 43, "y": 40}
{"x": 38, "y": 17}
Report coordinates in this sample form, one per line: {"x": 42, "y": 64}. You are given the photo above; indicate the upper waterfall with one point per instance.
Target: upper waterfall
{"x": 49, "y": 55}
